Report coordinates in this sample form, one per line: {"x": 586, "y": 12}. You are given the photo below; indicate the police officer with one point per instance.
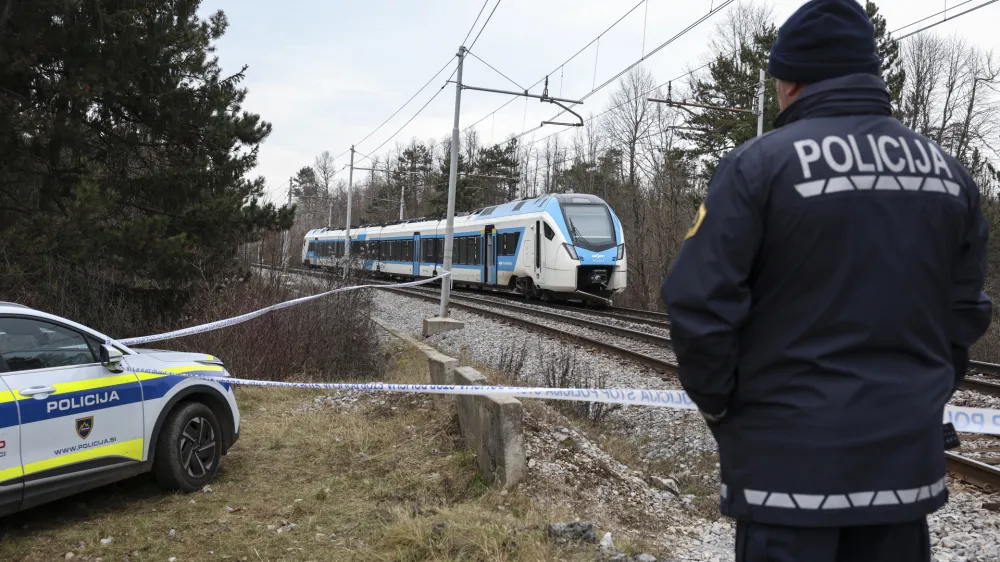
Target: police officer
{"x": 823, "y": 305}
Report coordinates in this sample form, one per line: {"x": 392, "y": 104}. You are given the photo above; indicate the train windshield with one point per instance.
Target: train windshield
{"x": 590, "y": 226}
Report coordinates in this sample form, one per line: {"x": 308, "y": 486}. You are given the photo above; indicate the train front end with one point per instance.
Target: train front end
{"x": 594, "y": 245}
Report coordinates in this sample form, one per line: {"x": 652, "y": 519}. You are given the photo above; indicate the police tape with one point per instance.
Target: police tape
{"x": 965, "y": 420}
{"x": 257, "y": 313}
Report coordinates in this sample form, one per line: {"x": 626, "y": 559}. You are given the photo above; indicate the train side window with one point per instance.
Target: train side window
{"x": 438, "y": 250}
{"x": 477, "y": 245}
{"x": 548, "y": 232}
{"x": 312, "y": 247}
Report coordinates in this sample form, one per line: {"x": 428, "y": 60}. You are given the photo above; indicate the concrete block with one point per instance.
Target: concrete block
{"x": 435, "y": 326}
{"x": 441, "y": 367}
{"x": 492, "y": 427}
{"x": 423, "y": 347}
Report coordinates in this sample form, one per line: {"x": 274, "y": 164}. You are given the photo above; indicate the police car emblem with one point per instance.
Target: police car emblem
{"x": 84, "y": 426}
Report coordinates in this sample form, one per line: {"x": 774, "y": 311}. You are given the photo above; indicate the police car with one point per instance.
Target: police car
{"x": 76, "y": 413}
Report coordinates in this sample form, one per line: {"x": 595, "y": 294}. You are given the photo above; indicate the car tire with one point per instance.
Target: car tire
{"x": 189, "y": 448}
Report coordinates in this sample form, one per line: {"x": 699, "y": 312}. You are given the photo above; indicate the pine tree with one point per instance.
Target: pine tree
{"x": 467, "y": 196}
{"x": 123, "y": 148}
{"x": 502, "y": 162}
{"x": 305, "y": 184}
{"x": 733, "y": 82}
{"x": 888, "y": 52}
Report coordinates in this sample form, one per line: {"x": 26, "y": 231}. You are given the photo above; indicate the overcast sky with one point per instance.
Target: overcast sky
{"x": 325, "y": 73}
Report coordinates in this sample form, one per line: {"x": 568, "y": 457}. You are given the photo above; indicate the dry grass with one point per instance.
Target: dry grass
{"x": 382, "y": 482}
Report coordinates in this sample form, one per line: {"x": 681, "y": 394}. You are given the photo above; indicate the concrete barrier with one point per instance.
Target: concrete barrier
{"x": 441, "y": 367}
{"x": 492, "y": 427}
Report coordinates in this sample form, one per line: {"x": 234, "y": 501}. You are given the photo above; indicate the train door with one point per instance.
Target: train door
{"x": 416, "y": 254}
{"x": 538, "y": 248}
{"x": 528, "y": 250}
{"x": 490, "y": 258}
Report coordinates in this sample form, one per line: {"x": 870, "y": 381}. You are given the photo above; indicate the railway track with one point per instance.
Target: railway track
{"x": 480, "y": 306}
{"x": 972, "y": 471}
{"x": 633, "y": 315}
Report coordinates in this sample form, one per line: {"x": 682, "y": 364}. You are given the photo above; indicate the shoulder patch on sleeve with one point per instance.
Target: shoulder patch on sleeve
{"x": 697, "y": 221}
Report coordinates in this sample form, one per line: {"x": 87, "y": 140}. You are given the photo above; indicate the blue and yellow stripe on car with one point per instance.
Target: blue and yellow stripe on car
{"x": 131, "y": 449}
{"x": 157, "y": 386}
{"x": 128, "y": 387}
{"x": 8, "y": 409}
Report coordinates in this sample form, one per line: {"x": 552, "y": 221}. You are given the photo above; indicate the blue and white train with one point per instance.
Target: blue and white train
{"x": 553, "y": 247}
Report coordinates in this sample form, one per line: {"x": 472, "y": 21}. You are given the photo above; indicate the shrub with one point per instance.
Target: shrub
{"x": 327, "y": 339}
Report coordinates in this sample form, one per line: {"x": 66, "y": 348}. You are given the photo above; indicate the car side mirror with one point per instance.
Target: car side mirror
{"x": 111, "y": 357}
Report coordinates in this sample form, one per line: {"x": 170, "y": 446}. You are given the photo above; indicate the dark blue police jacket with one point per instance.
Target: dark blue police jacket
{"x": 825, "y": 300}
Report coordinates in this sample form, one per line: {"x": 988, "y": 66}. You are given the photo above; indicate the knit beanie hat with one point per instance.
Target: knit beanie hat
{"x": 824, "y": 39}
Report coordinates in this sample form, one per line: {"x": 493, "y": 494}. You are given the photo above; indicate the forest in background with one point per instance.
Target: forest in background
{"x": 652, "y": 162}
{"x": 127, "y": 161}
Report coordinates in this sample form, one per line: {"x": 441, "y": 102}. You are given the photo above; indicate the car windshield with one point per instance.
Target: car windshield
{"x": 590, "y": 226}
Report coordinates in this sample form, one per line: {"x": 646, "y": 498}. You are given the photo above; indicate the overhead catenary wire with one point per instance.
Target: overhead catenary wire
{"x": 485, "y": 23}
{"x": 408, "y": 121}
{"x": 944, "y": 11}
{"x": 473, "y": 26}
{"x": 946, "y": 19}
{"x": 681, "y": 33}
{"x": 686, "y": 74}
{"x": 419, "y": 111}
{"x": 509, "y": 79}
{"x": 564, "y": 63}
{"x": 737, "y": 50}
{"x": 406, "y": 103}
{"x": 422, "y": 88}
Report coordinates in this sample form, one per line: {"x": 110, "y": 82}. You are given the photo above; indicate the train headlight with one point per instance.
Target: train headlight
{"x": 621, "y": 252}
{"x": 572, "y": 251}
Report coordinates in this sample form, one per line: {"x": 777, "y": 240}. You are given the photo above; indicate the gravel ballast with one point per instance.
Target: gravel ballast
{"x": 962, "y": 531}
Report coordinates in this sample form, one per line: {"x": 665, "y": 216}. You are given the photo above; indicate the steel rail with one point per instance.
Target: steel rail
{"x": 972, "y": 471}
{"x": 641, "y": 358}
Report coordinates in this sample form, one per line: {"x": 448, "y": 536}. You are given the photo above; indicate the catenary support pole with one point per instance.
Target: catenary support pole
{"x": 329, "y": 221}
{"x": 449, "y": 230}
{"x": 760, "y": 105}
{"x": 402, "y": 197}
{"x": 350, "y": 190}
{"x": 286, "y": 235}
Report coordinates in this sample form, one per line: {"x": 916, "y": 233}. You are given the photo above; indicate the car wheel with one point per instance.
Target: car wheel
{"x": 189, "y": 448}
